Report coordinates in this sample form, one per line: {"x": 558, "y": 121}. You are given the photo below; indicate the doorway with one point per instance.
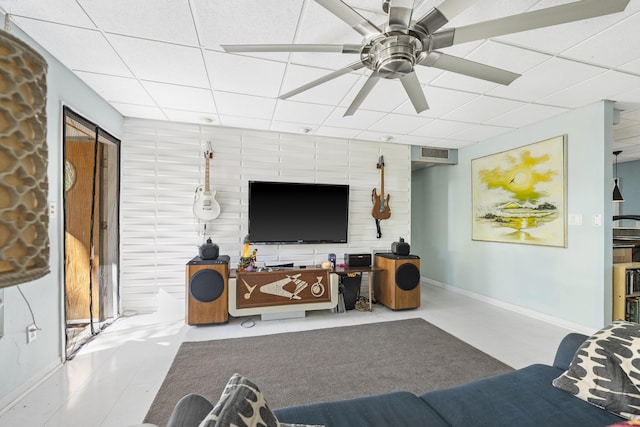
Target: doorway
{"x": 91, "y": 229}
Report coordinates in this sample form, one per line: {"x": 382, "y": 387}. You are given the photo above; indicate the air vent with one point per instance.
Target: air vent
{"x": 438, "y": 153}
{"x": 430, "y": 156}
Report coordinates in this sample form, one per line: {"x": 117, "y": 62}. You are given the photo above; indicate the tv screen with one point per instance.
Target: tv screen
{"x": 285, "y": 212}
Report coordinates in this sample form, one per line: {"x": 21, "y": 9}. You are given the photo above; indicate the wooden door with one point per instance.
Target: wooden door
{"x": 79, "y": 187}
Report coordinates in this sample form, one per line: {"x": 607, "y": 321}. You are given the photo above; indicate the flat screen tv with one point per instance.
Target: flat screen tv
{"x": 287, "y": 212}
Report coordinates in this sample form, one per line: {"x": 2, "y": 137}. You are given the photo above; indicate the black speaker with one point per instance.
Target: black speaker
{"x": 209, "y": 250}
{"x": 207, "y": 297}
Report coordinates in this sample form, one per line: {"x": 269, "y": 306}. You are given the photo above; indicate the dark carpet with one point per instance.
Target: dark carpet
{"x": 326, "y": 364}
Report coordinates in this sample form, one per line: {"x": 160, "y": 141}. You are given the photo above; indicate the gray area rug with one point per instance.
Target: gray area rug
{"x": 326, "y": 364}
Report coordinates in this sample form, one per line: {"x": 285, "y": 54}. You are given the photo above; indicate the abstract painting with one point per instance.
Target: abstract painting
{"x": 519, "y": 195}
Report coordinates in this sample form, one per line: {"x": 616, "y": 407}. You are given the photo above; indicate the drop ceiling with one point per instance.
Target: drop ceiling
{"x": 161, "y": 59}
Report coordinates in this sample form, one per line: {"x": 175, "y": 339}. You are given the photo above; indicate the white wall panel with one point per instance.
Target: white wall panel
{"x": 162, "y": 164}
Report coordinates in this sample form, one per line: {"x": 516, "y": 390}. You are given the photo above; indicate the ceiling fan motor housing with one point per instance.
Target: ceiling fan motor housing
{"x": 393, "y": 56}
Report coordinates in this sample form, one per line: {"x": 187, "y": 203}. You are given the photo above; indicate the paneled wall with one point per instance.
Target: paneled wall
{"x": 162, "y": 164}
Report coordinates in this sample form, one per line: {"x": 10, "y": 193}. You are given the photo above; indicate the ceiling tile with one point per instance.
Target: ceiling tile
{"x": 486, "y": 10}
{"x": 633, "y": 67}
{"x": 362, "y": 119}
{"x": 244, "y": 122}
{"x": 614, "y": 47}
{"x": 199, "y": 117}
{"x": 255, "y": 21}
{"x": 507, "y": 57}
{"x": 422, "y": 141}
{"x": 301, "y": 112}
{"x": 251, "y": 76}
{"x": 141, "y": 111}
{"x": 603, "y": 86}
{"x": 162, "y": 20}
{"x": 482, "y": 109}
{"x": 117, "y": 89}
{"x": 399, "y": 124}
{"x": 387, "y": 95}
{"x": 181, "y": 97}
{"x": 291, "y": 127}
{"x": 457, "y": 81}
{"x": 77, "y": 48}
{"x": 526, "y": 115}
{"x": 547, "y": 78}
{"x": 162, "y": 62}
{"x": 368, "y": 135}
{"x": 233, "y": 104}
{"x": 331, "y": 92}
{"x": 479, "y": 133}
{"x": 441, "y": 129}
{"x": 318, "y": 25}
{"x": 337, "y": 132}
{"x": 558, "y": 38}
{"x": 66, "y": 12}
{"x": 441, "y": 101}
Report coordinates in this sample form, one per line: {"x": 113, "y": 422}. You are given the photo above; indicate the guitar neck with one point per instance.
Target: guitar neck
{"x": 206, "y": 175}
{"x": 382, "y": 182}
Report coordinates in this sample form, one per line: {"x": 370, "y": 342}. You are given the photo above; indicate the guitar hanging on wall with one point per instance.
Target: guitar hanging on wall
{"x": 205, "y": 206}
{"x": 381, "y": 208}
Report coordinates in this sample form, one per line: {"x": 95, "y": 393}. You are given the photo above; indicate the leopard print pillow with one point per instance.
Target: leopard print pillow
{"x": 605, "y": 370}
{"x": 242, "y": 404}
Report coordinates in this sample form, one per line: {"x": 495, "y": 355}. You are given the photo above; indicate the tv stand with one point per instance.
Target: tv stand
{"x": 288, "y": 290}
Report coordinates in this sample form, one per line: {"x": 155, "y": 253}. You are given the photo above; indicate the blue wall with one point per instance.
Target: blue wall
{"x": 23, "y": 365}
{"x": 569, "y": 285}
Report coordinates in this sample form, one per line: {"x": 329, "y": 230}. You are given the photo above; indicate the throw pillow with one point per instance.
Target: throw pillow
{"x": 605, "y": 371}
{"x": 242, "y": 404}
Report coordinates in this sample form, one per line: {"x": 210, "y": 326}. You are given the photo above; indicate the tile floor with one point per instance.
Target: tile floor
{"x": 114, "y": 378}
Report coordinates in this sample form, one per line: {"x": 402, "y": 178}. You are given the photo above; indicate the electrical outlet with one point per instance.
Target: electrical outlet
{"x": 32, "y": 333}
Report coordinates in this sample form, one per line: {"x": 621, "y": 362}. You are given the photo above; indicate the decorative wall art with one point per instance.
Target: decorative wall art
{"x": 282, "y": 288}
{"x": 24, "y": 220}
{"x": 519, "y": 195}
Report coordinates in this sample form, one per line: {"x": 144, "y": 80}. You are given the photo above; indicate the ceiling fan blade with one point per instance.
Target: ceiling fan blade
{"x": 400, "y": 12}
{"x": 356, "y": 21}
{"x": 338, "y": 48}
{"x": 414, "y": 90}
{"x": 458, "y": 65}
{"x": 555, "y": 15}
{"x": 364, "y": 91}
{"x": 349, "y": 68}
{"x": 437, "y": 17}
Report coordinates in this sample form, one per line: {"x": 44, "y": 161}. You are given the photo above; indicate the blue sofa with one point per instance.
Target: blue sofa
{"x": 524, "y": 397}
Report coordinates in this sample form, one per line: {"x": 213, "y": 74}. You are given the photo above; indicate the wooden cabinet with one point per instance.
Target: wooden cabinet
{"x": 621, "y": 255}
{"x": 282, "y": 291}
{"x": 623, "y": 289}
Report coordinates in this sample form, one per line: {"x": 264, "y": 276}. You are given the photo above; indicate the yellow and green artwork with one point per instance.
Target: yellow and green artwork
{"x": 519, "y": 194}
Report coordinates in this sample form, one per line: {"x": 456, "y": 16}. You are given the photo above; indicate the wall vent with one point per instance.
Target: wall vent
{"x": 430, "y": 156}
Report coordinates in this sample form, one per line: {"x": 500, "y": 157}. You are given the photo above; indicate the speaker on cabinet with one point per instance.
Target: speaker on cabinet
{"x": 207, "y": 299}
{"x": 397, "y": 285}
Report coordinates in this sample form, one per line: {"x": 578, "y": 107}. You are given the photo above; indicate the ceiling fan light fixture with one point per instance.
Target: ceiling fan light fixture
{"x": 404, "y": 42}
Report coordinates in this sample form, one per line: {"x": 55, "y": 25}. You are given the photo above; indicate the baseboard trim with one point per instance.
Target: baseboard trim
{"x": 13, "y": 397}
{"x": 512, "y": 307}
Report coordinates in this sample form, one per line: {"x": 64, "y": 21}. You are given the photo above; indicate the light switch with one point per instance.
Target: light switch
{"x": 575, "y": 219}
{"x": 597, "y": 220}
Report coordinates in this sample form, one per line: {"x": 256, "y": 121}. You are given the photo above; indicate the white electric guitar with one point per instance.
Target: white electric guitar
{"x": 205, "y": 206}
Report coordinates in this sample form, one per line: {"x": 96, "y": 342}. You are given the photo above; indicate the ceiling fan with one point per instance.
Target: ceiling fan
{"x": 393, "y": 52}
